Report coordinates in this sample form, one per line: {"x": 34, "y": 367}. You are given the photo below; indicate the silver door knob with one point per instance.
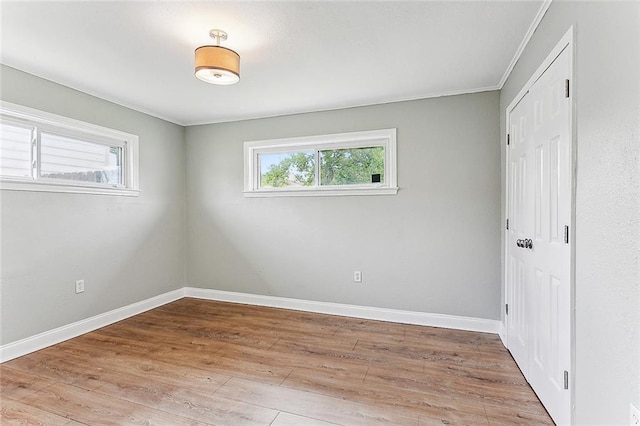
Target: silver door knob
{"x": 526, "y": 243}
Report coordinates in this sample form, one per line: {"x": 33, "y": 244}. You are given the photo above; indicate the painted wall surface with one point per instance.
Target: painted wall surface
{"x": 126, "y": 249}
{"x": 434, "y": 247}
{"x": 607, "y": 92}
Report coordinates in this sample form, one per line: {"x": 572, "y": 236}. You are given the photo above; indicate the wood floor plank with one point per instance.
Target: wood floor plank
{"x": 201, "y": 362}
{"x": 330, "y": 350}
{"x": 100, "y": 345}
{"x": 319, "y": 363}
{"x": 113, "y": 368}
{"x": 391, "y": 399}
{"x": 184, "y": 401}
{"x": 69, "y": 370}
{"x": 16, "y": 384}
{"x": 288, "y": 419}
{"x": 250, "y": 369}
{"x": 454, "y": 388}
{"x": 462, "y": 418}
{"x": 308, "y": 404}
{"x": 18, "y": 413}
{"x": 507, "y": 416}
{"x": 98, "y": 409}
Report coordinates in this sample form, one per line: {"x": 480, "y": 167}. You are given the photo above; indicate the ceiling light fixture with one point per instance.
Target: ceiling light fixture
{"x": 217, "y": 64}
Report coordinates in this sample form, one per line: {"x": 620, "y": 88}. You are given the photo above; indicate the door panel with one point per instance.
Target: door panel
{"x": 519, "y": 207}
{"x": 554, "y": 190}
{"x": 551, "y": 255}
{"x": 539, "y": 201}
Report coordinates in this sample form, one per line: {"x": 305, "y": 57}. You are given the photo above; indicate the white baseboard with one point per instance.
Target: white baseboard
{"x": 60, "y": 334}
{"x": 502, "y": 333}
{"x": 49, "y": 338}
{"x": 366, "y": 312}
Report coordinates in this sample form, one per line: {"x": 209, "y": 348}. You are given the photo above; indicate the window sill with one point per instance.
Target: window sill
{"x": 316, "y": 192}
{"x": 10, "y": 185}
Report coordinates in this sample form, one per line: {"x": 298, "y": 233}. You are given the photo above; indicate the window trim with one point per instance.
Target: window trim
{"x": 57, "y": 124}
{"x": 383, "y": 137}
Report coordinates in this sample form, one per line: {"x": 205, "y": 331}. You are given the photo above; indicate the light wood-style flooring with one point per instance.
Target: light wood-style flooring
{"x": 197, "y": 362}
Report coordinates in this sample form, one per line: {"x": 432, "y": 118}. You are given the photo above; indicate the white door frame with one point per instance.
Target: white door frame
{"x": 566, "y": 42}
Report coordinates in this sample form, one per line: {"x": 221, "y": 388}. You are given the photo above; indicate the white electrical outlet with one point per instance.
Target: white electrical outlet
{"x": 79, "y": 286}
{"x": 357, "y": 276}
{"x": 634, "y": 416}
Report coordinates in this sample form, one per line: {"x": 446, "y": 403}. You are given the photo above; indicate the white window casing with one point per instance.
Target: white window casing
{"x": 93, "y": 141}
{"x": 385, "y": 138}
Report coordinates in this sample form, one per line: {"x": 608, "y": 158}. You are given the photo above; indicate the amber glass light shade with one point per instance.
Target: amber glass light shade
{"x": 217, "y": 65}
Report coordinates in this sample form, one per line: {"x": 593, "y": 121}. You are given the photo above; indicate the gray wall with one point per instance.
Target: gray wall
{"x": 126, "y": 249}
{"x": 434, "y": 247}
{"x": 608, "y": 197}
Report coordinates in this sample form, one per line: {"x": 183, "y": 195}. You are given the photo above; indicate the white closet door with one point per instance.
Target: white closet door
{"x": 538, "y": 255}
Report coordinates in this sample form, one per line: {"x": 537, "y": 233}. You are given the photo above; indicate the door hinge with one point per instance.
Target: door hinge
{"x": 566, "y": 88}
{"x": 507, "y": 224}
{"x": 566, "y": 379}
{"x": 566, "y": 234}
{"x": 506, "y": 309}
{"x": 508, "y": 139}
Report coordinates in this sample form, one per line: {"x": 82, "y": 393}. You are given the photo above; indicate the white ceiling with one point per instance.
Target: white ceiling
{"x": 295, "y": 56}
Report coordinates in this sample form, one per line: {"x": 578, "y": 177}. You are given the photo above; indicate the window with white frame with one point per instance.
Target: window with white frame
{"x": 40, "y": 151}
{"x": 357, "y": 163}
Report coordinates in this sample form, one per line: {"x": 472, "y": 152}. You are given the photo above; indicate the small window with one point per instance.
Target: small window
{"x": 45, "y": 152}
{"x": 359, "y": 163}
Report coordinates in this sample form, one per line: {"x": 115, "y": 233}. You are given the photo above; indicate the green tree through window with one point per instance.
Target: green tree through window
{"x": 297, "y": 169}
{"x": 353, "y": 166}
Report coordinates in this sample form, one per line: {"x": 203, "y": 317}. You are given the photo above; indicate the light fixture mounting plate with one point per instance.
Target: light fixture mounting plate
{"x": 218, "y": 35}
